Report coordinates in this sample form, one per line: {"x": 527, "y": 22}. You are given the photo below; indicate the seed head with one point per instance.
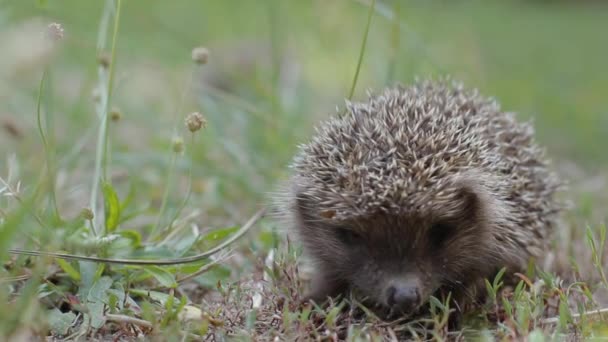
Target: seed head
{"x": 87, "y": 214}
{"x": 115, "y": 115}
{"x": 200, "y": 55}
{"x": 104, "y": 59}
{"x": 195, "y": 121}
{"x": 178, "y": 145}
{"x": 54, "y": 31}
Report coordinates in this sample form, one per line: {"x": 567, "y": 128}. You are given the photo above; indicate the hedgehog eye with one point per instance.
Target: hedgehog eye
{"x": 440, "y": 232}
{"x": 348, "y": 236}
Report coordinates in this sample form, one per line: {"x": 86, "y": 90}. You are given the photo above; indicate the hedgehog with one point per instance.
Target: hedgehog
{"x": 421, "y": 190}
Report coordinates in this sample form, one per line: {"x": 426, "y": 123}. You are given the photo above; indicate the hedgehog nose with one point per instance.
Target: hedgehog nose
{"x": 405, "y": 297}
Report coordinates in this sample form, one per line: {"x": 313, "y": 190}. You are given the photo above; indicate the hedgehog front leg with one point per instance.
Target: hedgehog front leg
{"x": 324, "y": 287}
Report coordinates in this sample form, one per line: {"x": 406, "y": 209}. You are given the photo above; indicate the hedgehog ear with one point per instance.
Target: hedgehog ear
{"x": 470, "y": 202}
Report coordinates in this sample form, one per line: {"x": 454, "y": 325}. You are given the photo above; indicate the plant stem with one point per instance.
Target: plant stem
{"x": 100, "y": 173}
{"x": 163, "y": 204}
{"x": 395, "y": 40}
{"x": 362, "y": 51}
{"x": 189, "y": 191}
{"x": 46, "y": 140}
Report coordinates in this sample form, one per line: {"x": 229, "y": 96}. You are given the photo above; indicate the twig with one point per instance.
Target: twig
{"x": 15, "y": 278}
{"x": 186, "y": 260}
{"x": 553, "y": 320}
{"x": 129, "y": 319}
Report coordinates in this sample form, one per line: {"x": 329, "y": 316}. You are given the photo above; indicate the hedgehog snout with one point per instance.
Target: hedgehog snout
{"x": 403, "y": 295}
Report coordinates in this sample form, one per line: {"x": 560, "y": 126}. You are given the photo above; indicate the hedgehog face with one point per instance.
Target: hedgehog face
{"x": 396, "y": 261}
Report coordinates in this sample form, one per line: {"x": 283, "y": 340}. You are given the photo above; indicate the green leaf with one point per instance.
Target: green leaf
{"x": 129, "y": 197}
{"x": 132, "y": 235}
{"x": 60, "y": 322}
{"x": 497, "y": 280}
{"x": 67, "y": 268}
{"x": 87, "y": 275}
{"x": 490, "y": 289}
{"x": 210, "y": 278}
{"x": 219, "y": 234}
{"x": 536, "y": 335}
{"x": 165, "y": 278}
{"x": 112, "y": 207}
{"x": 99, "y": 288}
{"x": 95, "y": 314}
{"x": 332, "y": 315}
{"x": 564, "y": 313}
{"x": 156, "y": 296}
{"x": 97, "y": 298}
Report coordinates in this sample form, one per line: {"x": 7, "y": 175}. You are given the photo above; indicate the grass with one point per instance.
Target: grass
{"x": 74, "y": 180}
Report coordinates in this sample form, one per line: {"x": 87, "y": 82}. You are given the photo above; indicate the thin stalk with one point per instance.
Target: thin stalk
{"x": 100, "y": 173}
{"x": 163, "y": 204}
{"x": 273, "y": 17}
{"x": 362, "y": 51}
{"x": 395, "y": 42}
{"x": 159, "y": 262}
{"x": 110, "y": 87}
{"x": 189, "y": 189}
{"x": 46, "y": 143}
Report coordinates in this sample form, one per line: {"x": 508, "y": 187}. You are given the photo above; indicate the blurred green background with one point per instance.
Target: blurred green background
{"x": 278, "y": 67}
{"x": 275, "y": 69}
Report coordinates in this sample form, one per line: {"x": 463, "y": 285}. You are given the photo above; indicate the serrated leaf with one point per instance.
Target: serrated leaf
{"x": 67, "y": 268}
{"x": 60, "y": 322}
{"x": 112, "y": 207}
{"x": 165, "y": 278}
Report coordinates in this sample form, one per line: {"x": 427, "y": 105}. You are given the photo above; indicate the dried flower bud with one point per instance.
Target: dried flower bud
{"x": 54, "y": 31}
{"x": 87, "y": 214}
{"x": 12, "y": 128}
{"x": 178, "y": 145}
{"x": 104, "y": 59}
{"x": 115, "y": 114}
{"x": 195, "y": 121}
{"x": 200, "y": 55}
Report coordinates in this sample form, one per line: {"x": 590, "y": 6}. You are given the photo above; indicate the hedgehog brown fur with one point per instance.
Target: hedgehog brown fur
{"x": 420, "y": 189}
